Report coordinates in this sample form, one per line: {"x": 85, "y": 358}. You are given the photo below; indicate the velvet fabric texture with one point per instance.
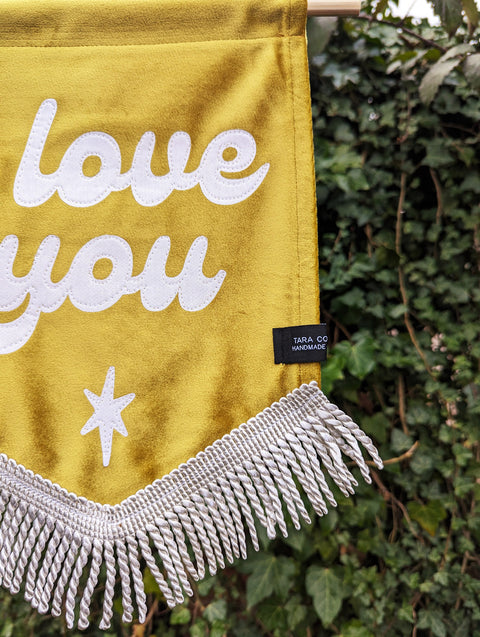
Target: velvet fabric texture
{"x": 89, "y": 203}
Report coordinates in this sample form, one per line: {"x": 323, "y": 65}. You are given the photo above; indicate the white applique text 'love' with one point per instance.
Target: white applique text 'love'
{"x": 32, "y": 187}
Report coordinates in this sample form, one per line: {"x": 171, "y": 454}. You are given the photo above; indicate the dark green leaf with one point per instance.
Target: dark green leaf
{"x": 361, "y": 358}
{"x": 180, "y": 615}
{"x": 326, "y": 591}
{"x": 450, "y": 13}
{"x": 199, "y": 629}
{"x": 428, "y": 516}
{"x": 218, "y": 629}
{"x": 216, "y": 610}
{"x": 270, "y": 574}
{"x": 296, "y": 611}
{"x": 273, "y": 616}
{"x": 355, "y": 628}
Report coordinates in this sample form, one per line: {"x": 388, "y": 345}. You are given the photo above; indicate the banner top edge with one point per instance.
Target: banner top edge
{"x": 54, "y": 23}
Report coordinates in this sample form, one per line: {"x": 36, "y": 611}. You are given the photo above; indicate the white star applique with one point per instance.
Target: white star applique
{"x": 106, "y": 415}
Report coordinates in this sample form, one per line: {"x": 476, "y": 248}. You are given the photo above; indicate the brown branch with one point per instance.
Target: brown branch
{"x": 401, "y": 278}
{"x": 447, "y": 545}
{"x": 398, "y": 226}
{"x": 470, "y": 131}
{"x": 379, "y": 396}
{"x": 404, "y": 456}
{"x": 476, "y": 244}
{"x": 404, "y": 137}
{"x": 466, "y": 555}
{"x": 414, "y": 603}
{"x": 472, "y": 558}
{"x": 388, "y": 496}
{"x": 401, "y": 404}
{"x": 407, "y": 454}
{"x": 337, "y": 324}
{"x": 411, "y": 331}
{"x": 438, "y": 191}
{"x": 460, "y": 586}
{"x": 139, "y": 629}
{"x": 399, "y": 25}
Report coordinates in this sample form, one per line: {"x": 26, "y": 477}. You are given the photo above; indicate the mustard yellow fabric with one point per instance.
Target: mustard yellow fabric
{"x": 124, "y": 68}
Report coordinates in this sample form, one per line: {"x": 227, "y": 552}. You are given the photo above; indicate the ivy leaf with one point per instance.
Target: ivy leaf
{"x": 432, "y": 620}
{"x": 376, "y": 426}
{"x": 296, "y": 611}
{"x": 435, "y": 76}
{"x": 437, "y": 154}
{"x": 260, "y": 582}
{"x": 355, "y": 628}
{"x": 325, "y": 589}
{"x": 216, "y": 610}
{"x": 219, "y": 629}
{"x": 428, "y": 515}
{"x": 199, "y": 628}
{"x": 270, "y": 574}
{"x": 361, "y": 360}
{"x": 206, "y": 585}
{"x": 180, "y": 615}
{"x": 332, "y": 370}
{"x": 471, "y": 69}
{"x": 273, "y": 616}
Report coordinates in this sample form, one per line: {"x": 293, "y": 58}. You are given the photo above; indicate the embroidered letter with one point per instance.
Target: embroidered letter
{"x": 32, "y": 187}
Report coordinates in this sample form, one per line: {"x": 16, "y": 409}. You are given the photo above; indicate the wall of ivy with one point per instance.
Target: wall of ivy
{"x": 397, "y": 125}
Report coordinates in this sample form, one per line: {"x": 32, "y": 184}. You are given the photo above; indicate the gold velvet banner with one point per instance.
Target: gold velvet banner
{"x": 158, "y": 221}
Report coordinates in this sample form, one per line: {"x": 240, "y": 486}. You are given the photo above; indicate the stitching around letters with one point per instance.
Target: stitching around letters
{"x": 32, "y": 187}
{"x": 195, "y": 291}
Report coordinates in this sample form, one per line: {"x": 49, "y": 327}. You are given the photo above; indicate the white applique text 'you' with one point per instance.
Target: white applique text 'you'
{"x": 87, "y": 293}
{"x": 32, "y": 187}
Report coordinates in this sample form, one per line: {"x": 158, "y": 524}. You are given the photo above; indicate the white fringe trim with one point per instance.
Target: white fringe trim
{"x": 191, "y": 519}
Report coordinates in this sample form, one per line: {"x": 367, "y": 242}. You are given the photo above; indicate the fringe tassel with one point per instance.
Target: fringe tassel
{"x": 192, "y": 519}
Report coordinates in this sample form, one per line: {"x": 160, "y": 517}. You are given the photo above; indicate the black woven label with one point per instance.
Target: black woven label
{"x": 300, "y": 344}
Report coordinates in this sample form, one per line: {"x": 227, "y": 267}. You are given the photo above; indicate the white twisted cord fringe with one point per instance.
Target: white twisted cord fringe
{"x": 191, "y": 518}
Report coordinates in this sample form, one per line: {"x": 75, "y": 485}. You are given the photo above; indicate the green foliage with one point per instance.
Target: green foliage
{"x": 398, "y": 186}
{"x": 439, "y": 71}
{"x": 268, "y": 574}
{"x": 450, "y": 13}
{"x": 326, "y": 591}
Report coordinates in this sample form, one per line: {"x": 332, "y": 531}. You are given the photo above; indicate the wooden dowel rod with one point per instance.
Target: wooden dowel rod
{"x": 333, "y": 7}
